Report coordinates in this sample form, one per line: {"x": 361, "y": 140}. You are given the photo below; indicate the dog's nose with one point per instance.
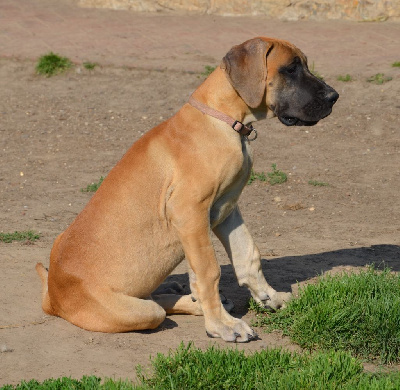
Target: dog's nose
{"x": 331, "y": 97}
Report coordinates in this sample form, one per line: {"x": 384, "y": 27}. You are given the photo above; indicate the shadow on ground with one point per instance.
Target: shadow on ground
{"x": 284, "y": 272}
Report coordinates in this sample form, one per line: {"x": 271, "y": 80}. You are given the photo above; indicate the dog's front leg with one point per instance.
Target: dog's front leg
{"x": 246, "y": 260}
{"x": 194, "y": 233}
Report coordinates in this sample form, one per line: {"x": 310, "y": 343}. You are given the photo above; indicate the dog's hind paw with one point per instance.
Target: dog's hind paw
{"x": 227, "y": 303}
{"x": 170, "y": 288}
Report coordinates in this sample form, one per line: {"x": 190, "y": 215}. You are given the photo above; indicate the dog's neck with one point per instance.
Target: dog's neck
{"x": 224, "y": 97}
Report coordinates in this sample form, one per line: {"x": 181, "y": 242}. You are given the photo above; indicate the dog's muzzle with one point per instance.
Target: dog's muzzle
{"x": 314, "y": 111}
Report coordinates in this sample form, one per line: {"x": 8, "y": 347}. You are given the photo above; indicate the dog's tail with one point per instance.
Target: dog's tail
{"x": 43, "y": 273}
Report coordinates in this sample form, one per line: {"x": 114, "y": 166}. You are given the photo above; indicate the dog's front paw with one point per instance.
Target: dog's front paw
{"x": 276, "y": 301}
{"x": 238, "y": 332}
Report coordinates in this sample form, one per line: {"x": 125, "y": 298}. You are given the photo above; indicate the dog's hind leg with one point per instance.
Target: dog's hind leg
{"x": 113, "y": 312}
{"x": 178, "y": 304}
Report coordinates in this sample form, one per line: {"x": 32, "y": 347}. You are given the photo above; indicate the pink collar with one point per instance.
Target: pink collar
{"x": 244, "y": 130}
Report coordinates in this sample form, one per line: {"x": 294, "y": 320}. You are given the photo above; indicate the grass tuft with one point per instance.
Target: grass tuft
{"x": 317, "y": 183}
{"x": 93, "y": 187}
{"x": 379, "y": 79}
{"x": 256, "y": 176}
{"x": 396, "y": 64}
{"x": 208, "y": 70}
{"x": 359, "y": 313}
{"x": 315, "y": 72}
{"x": 28, "y": 235}
{"x": 345, "y": 78}
{"x": 256, "y": 308}
{"x": 89, "y": 65}
{"x": 51, "y": 64}
{"x": 276, "y": 176}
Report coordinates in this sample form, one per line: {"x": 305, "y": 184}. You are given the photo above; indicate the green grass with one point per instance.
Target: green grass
{"x": 256, "y": 176}
{"x": 51, "y": 64}
{"x": 359, "y": 313}
{"x": 379, "y": 79}
{"x": 274, "y": 177}
{"x": 315, "y": 72}
{"x": 208, "y": 70}
{"x": 89, "y": 65}
{"x": 396, "y": 64}
{"x": 345, "y": 78}
{"x": 215, "y": 368}
{"x": 93, "y": 187}
{"x": 317, "y": 183}
{"x": 86, "y": 383}
{"x": 257, "y": 308}
{"x": 19, "y": 236}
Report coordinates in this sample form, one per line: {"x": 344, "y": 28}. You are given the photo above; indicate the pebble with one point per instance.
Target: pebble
{"x": 4, "y": 349}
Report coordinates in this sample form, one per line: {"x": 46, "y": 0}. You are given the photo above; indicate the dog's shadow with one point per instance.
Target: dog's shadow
{"x": 281, "y": 273}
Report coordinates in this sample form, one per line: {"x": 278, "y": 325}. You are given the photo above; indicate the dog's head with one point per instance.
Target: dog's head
{"x": 273, "y": 75}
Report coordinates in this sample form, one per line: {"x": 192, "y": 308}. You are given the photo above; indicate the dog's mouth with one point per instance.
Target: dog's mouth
{"x": 293, "y": 121}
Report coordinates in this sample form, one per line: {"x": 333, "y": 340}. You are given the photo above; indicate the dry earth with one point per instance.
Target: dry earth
{"x": 59, "y": 134}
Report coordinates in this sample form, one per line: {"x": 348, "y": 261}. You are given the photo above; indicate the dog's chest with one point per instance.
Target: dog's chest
{"x": 226, "y": 201}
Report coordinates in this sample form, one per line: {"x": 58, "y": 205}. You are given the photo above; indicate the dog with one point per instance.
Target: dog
{"x": 175, "y": 185}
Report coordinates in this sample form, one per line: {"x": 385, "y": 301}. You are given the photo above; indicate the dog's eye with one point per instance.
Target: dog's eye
{"x": 291, "y": 68}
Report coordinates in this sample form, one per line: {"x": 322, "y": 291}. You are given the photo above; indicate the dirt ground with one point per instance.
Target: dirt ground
{"x": 59, "y": 134}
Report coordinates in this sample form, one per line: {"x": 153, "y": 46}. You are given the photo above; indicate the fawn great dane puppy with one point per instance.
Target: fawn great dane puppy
{"x": 176, "y": 184}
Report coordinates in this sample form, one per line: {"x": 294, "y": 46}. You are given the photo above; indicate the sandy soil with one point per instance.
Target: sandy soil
{"x": 59, "y": 134}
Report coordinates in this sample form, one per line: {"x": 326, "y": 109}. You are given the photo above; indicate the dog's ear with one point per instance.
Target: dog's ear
{"x": 246, "y": 68}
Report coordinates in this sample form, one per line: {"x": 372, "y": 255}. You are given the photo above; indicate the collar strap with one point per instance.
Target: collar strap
{"x": 239, "y": 127}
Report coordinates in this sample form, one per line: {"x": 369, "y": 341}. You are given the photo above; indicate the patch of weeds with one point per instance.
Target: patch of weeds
{"x": 317, "y": 183}
{"x": 87, "y": 382}
{"x": 315, "y": 72}
{"x": 208, "y": 70}
{"x": 379, "y": 79}
{"x": 256, "y": 308}
{"x": 28, "y": 235}
{"x": 93, "y": 187}
{"x": 345, "y": 78}
{"x": 217, "y": 368}
{"x": 51, "y": 64}
{"x": 256, "y": 176}
{"x": 89, "y": 65}
{"x": 359, "y": 313}
{"x": 396, "y": 64}
{"x": 276, "y": 176}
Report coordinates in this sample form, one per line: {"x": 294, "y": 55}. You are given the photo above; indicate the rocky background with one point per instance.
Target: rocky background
{"x": 290, "y": 10}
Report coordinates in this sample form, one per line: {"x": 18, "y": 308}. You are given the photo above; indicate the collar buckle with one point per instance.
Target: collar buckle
{"x": 251, "y": 128}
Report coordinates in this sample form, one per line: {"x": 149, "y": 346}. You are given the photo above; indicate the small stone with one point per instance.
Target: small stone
{"x": 4, "y": 349}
